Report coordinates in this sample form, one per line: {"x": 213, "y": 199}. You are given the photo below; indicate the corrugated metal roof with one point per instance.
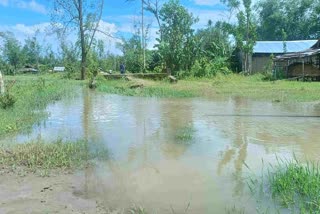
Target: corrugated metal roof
{"x": 277, "y": 46}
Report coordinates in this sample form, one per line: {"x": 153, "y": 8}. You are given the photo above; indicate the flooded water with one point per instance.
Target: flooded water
{"x": 149, "y": 168}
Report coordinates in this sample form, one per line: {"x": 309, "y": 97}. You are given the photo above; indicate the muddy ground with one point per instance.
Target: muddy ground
{"x": 31, "y": 193}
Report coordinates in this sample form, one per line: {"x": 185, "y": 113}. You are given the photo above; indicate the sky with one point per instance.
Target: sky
{"x": 25, "y": 17}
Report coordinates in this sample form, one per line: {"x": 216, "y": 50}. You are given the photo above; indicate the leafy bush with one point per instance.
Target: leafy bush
{"x": 7, "y": 100}
{"x": 206, "y": 68}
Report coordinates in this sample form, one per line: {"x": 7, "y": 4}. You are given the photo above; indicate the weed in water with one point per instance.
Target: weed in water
{"x": 290, "y": 185}
{"x": 185, "y": 135}
{"x": 46, "y": 156}
{"x": 296, "y": 186}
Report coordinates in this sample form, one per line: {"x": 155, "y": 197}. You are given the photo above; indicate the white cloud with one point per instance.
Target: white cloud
{"x": 213, "y": 15}
{"x": 207, "y": 2}
{"x": 31, "y": 5}
{"x": 44, "y": 34}
{"x": 4, "y": 2}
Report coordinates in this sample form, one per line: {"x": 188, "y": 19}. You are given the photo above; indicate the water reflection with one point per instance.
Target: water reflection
{"x": 150, "y": 168}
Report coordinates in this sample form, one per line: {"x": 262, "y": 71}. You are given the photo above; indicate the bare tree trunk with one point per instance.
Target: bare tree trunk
{"x": 82, "y": 41}
{"x": 2, "y": 89}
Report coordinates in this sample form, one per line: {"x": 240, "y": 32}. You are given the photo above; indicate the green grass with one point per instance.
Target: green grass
{"x": 253, "y": 87}
{"x": 185, "y": 135}
{"x": 162, "y": 89}
{"x": 32, "y": 94}
{"x": 55, "y": 155}
{"x": 296, "y": 186}
{"x": 289, "y": 186}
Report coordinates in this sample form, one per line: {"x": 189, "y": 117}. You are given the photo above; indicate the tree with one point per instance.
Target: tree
{"x": 82, "y": 15}
{"x": 245, "y": 32}
{"x": 131, "y": 49}
{"x": 298, "y": 18}
{"x": 32, "y": 49}
{"x": 12, "y": 51}
{"x": 177, "y": 35}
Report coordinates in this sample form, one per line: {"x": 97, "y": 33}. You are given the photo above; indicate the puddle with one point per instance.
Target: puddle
{"x": 149, "y": 168}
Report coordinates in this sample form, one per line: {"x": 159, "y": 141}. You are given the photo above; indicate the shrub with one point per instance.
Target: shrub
{"x": 210, "y": 68}
{"x": 7, "y": 100}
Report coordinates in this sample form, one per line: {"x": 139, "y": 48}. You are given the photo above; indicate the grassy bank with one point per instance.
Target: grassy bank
{"x": 54, "y": 155}
{"x": 144, "y": 88}
{"x": 32, "y": 94}
{"x": 253, "y": 87}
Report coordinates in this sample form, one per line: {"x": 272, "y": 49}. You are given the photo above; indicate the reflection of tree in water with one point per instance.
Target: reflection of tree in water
{"x": 238, "y": 151}
{"x": 177, "y": 115}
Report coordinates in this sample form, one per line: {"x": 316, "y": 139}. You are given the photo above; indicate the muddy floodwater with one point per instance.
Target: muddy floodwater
{"x": 151, "y": 167}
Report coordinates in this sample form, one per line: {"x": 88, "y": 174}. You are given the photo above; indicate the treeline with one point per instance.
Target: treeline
{"x": 16, "y": 57}
{"x": 214, "y": 49}
{"x": 180, "y": 50}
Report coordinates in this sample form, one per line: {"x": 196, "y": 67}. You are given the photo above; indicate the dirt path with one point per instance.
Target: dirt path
{"x": 34, "y": 194}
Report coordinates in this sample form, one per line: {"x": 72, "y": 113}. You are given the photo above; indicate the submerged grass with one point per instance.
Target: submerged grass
{"x": 234, "y": 85}
{"x": 296, "y": 186}
{"x": 289, "y": 186}
{"x": 55, "y": 155}
{"x": 185, "y": 135}
{"x": 32, "y": 94}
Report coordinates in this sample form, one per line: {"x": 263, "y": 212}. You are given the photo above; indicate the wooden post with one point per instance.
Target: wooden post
{"x": 287, "y": 69}
{"x": 303, "y": 69}
{"x": 2, "y": 89}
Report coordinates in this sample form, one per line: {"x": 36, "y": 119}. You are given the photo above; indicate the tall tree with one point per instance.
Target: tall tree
{"x": 298, "y": 18}
{"x": 244, "y": 31}
{"x": 177, "y": 35}
{"x": 82, "y": 15}
{"x": 12, "y": 51}
{"x": 32, "y": 49}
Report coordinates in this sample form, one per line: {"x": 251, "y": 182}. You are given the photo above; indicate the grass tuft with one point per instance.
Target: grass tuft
{"x": 296, "y": 186}
{"x": 185, "y": 135}
{"x": 56, "y": 155}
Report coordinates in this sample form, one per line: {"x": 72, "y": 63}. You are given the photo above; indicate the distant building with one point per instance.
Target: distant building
{"x": 303, "y": 64}
{"x": 263, "y": 50}
{"x": 58, "y": 69}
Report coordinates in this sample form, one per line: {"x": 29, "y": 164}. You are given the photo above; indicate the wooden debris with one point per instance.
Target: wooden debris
{"x": 172, "y": 79}
{"x": 136, "y": 86}
{"x": 93, "y": 83}
{"x": 128, "y": 78}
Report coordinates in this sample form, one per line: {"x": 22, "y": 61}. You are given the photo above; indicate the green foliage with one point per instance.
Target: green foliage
{"x": 7, "y": 100}
{"x": 297, "y": 18}
{"x": 131, "y": 50}
{"x": 205, "y": 68}
{"x": 177, "y": 43}
{"x": 32, "y": 50}
{"x": 12, "y": 51}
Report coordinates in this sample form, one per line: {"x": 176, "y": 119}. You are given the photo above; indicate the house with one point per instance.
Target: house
{"x": 262, "y": 51}
{"x": 301, "y": 64}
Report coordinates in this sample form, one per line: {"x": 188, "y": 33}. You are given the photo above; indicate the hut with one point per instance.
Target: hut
{"x": 302, "y": 64}
{"x": 262, "y": 51}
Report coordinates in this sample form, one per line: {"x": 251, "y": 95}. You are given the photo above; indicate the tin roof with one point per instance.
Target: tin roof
{"x": 277, "y": 46}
